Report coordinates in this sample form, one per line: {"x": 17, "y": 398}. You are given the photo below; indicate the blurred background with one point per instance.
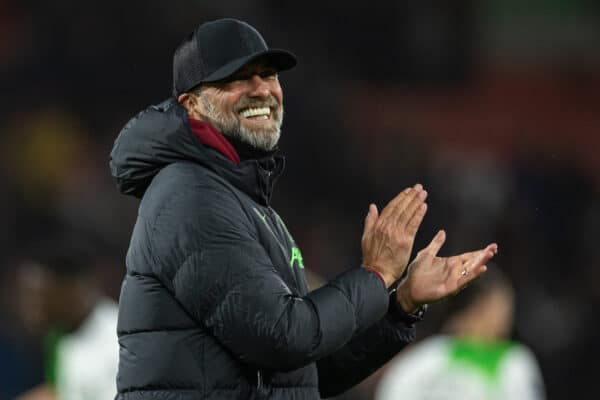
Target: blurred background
{"x": 493, "y": 105}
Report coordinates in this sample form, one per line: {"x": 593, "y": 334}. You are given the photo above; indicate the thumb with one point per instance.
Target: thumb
{"x": 370, "y": 219}
{"x": 437, "y": 243}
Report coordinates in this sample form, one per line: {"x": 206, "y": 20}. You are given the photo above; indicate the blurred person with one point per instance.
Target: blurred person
{"x": 59, "y": 298}
{"x": 474, "y": 359}
{"x": 215, "y": 303}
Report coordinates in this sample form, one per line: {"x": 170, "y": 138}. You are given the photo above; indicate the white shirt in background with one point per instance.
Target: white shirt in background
{"x": 444, "y": 368}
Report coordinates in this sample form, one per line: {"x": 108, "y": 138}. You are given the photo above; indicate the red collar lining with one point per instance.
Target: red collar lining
{"x": 211, "y": 137}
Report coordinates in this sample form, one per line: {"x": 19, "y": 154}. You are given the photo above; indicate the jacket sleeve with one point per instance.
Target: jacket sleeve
{"x": 206, "y": 253}
{"x": 364, "y": 354}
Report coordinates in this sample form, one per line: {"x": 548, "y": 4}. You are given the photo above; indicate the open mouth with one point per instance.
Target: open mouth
{"x": 258, "y": 113}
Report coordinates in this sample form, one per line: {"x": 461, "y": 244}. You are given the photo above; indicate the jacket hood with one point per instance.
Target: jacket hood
{"x": 160, "y": 135}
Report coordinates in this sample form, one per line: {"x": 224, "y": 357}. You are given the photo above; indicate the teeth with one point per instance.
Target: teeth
{"x": 255, "y": 112}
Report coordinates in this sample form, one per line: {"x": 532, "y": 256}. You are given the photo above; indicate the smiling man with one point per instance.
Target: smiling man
{"x": 215, "y": 303}
{"x": 246, "y": 107}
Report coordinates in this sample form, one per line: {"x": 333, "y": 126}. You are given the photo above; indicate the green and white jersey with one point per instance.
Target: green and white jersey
{"x": 83, "y": 364}
{"x": 445, "y": 368}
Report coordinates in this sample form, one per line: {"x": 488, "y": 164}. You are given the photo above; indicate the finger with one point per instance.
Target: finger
{"x": 436, "y": 243}
{"x": 401, "y": 206}
{"x": 483, "y": 257}
{"x": 389, "y": 208}
{"x": 465, "y": 273}
{"x": 405, "y": 215}
{"x": 415, "y": 221}
{"x": 400, "y": 201}
{"x": 466, "y": 280}
{"x": 370, "y": 219}
{"x": 467, "y": 257}
{"x": 373, "y": 207}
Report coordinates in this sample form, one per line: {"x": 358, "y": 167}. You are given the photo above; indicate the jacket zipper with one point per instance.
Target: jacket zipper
{"x": 259, "y": 381}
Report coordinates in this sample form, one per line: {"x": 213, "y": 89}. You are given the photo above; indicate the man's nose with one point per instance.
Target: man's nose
{"x": 259, "y": 87}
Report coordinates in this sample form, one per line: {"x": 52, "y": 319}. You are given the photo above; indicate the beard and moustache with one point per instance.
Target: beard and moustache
{"x": 230, "y": 124}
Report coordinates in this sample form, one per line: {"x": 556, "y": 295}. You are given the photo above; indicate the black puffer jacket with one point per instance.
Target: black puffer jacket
{"x": 215, "y": 304}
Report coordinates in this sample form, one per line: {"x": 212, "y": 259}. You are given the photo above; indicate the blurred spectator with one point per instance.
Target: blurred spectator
{"x": 474, "y": 361}
{"x": 59, "y": 298}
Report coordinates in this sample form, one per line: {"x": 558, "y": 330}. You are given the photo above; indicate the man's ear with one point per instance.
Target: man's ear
{"x": 189, "y": 102}
{"x": 184, "y": 99}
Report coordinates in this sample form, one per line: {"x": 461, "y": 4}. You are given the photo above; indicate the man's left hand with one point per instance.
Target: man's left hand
{"x": 431, "y": 278}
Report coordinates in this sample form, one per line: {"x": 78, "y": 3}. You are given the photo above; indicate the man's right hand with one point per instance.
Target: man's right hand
{"x": 388, "y": 238}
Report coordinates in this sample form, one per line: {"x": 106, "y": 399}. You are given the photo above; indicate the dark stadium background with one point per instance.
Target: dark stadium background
{"x": 493, "y": 105}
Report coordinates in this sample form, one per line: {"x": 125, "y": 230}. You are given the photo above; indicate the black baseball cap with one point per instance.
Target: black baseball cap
{"x": 217, "y": 49}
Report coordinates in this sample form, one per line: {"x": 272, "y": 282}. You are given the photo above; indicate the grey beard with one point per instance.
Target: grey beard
{"x": 230, "y": 126}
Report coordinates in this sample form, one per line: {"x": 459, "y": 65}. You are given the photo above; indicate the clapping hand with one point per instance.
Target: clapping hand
{"x": 388, "y": 237}
{"x": 431, "y": 278}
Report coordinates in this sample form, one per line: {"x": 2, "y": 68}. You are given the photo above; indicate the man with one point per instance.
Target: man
{"x": 215, "y": 303}
{"x": 474, "y": 361}
{"x": 58, "y": 297}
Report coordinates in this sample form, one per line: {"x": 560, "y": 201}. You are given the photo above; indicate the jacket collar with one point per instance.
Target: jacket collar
{"x": 266, "y": 168}
{"x": 211, "y": 137}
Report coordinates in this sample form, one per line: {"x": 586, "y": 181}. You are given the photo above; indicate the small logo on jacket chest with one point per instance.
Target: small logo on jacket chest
{"x": 296, "y": 254}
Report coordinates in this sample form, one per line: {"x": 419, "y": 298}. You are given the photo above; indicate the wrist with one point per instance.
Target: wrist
{"x": 405, "y": 313}
{"x": 404, "y": 299}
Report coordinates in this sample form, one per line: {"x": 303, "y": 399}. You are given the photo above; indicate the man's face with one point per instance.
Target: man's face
{"x": 248, "y": 107}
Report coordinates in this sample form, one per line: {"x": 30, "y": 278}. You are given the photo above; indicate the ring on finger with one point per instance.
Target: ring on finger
{"x": 464, "y": 272}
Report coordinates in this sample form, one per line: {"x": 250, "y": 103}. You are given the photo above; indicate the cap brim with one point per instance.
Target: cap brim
{"x": 281, "y": 60}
